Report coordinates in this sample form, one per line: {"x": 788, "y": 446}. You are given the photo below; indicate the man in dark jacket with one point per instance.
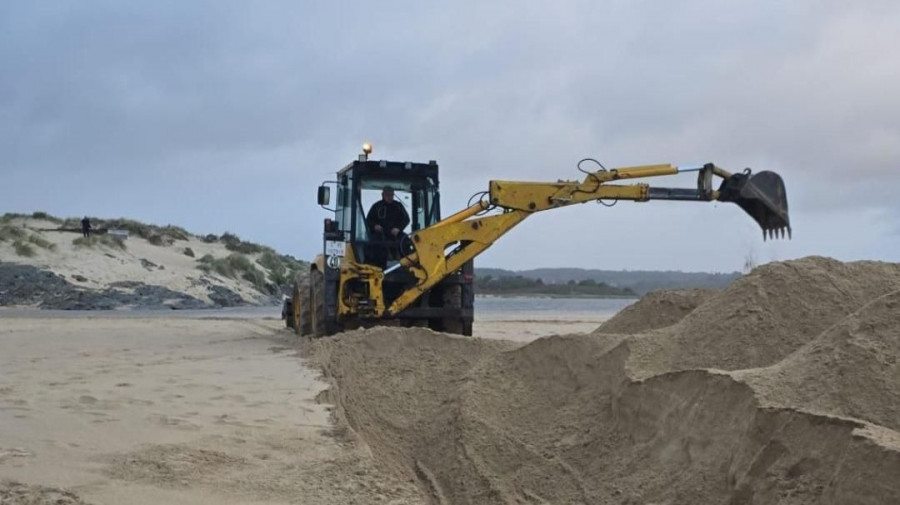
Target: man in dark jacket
{"x": 86, "y": 227}
{"x": 386, "y": 220}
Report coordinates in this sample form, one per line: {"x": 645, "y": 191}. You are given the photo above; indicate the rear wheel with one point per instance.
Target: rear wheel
{"x": 287, "y": 313}
{"x": 322, "y": 326}
{"x": 453, "y": 300}
{"x": 300, "y": 305}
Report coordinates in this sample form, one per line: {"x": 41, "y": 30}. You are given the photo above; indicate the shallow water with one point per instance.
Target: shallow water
{"x": 267, "y": 312}
{"x": 487, "y": 308}
{"x": 522, "y": 308}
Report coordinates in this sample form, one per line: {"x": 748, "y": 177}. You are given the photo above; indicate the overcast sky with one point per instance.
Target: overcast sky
{"x": 226, "y": 115}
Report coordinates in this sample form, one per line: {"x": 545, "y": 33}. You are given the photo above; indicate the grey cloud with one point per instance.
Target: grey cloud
{"x": 225, "y": 115}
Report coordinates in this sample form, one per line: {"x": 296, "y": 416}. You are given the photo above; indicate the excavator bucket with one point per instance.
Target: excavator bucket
{"x": 761, "y": 195}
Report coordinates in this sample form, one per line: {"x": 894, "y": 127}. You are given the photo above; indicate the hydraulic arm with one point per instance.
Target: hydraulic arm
{"x": 444, "y": 247}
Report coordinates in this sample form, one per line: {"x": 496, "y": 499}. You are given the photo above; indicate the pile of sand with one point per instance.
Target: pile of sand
{"x": 647, "y": 418}
{"x": 852, "y": 369}
{"x": 16, "y": 493}
{"x": 765, "y": 316}
{"x": 657, "y": 309}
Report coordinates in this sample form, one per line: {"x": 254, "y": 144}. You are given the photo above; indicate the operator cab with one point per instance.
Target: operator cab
{"x": 359, "y": 275}
{"x": 358, "y": 187}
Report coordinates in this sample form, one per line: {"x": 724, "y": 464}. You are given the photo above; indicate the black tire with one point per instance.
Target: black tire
{"x": 322, "y": 326}
{"x": 300, "y": 305}
{"x": 453, "y": 300}
{"x": 287, "y": 313}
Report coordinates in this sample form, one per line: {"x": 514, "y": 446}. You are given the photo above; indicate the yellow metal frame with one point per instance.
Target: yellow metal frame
{"x": 354, "y": 271}
{"x": 444, "y": 247}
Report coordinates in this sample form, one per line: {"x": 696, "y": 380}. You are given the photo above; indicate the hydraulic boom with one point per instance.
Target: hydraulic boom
{"x": 445, "y": 246}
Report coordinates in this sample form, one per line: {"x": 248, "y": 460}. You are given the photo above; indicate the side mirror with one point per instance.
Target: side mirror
{"x": 324, "y": 195}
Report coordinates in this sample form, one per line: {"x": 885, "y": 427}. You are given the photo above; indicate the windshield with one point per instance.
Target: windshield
{"x": 417, "y": 197}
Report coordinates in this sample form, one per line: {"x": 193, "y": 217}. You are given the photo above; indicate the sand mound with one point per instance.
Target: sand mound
{"x": 657, "y": 309}
{"x": 853, "y": 369}
{"x": 16, "y": 493}
{"x": 765, "y": 316}
{"x": 560, "y": 421}
{"x": 171, "y": 465}
{"x": 644, "y": 418}
{"x": 394, "y": 381}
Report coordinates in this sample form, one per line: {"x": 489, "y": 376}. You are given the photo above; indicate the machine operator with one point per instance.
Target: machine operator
{"x": 386, "y": 220}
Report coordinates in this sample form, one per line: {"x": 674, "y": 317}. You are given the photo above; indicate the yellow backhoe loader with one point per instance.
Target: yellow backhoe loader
{"x": 418, "y": 270}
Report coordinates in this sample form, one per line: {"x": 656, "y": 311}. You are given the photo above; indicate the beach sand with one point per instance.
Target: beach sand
{"x": 781, "y": 388}
{"x": 149, "y": 411}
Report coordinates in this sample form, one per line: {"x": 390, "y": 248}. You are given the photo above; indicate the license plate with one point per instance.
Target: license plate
{"x": 334, "y": 248}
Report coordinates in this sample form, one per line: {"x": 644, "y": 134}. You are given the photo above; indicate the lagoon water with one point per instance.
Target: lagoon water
{"x": 539, "y": 307}
{"x": 493, "y": 307}
{"x": 521, "y": 318}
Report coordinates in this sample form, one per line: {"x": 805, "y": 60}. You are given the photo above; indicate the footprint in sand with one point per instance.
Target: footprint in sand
{"x": 89, "y": 404}
{"x": 106, "y": 420}
{"x": 172, "y": 422}
{"x": 18, "y": 403}
{"x": 234, "y": 398}
{"x": 231, "y": 421}
{"x": 137, "y": 401}
{"x": 14, "y": 452}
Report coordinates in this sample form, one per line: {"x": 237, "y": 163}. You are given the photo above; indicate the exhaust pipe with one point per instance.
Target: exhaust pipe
{"x": 761, "y": 195}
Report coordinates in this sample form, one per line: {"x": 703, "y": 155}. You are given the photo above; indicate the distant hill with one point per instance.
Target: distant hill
{"x": 639, "y": 281}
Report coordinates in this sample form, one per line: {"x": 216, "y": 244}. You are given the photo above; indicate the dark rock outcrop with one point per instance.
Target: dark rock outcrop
{"x": 224, "y": 297}
{"x": 28, "y": 285}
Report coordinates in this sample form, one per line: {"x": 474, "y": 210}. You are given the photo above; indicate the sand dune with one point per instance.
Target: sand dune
{"x": 650, "y": 417}
{"x": 140, "y": 261}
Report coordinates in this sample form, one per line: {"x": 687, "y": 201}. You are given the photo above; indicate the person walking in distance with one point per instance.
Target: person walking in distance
{"x": 86, "y": 227}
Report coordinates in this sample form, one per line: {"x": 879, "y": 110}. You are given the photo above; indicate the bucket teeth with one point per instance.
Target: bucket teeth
{"x": 776, "y": 233}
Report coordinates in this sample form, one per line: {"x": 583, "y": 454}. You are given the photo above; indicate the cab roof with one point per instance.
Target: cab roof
{"x": 391, "y": 168}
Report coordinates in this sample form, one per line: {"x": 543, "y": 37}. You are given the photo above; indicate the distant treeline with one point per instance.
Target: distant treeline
{"x": 638, "y": 281}
{"x": 518, "y": 285}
